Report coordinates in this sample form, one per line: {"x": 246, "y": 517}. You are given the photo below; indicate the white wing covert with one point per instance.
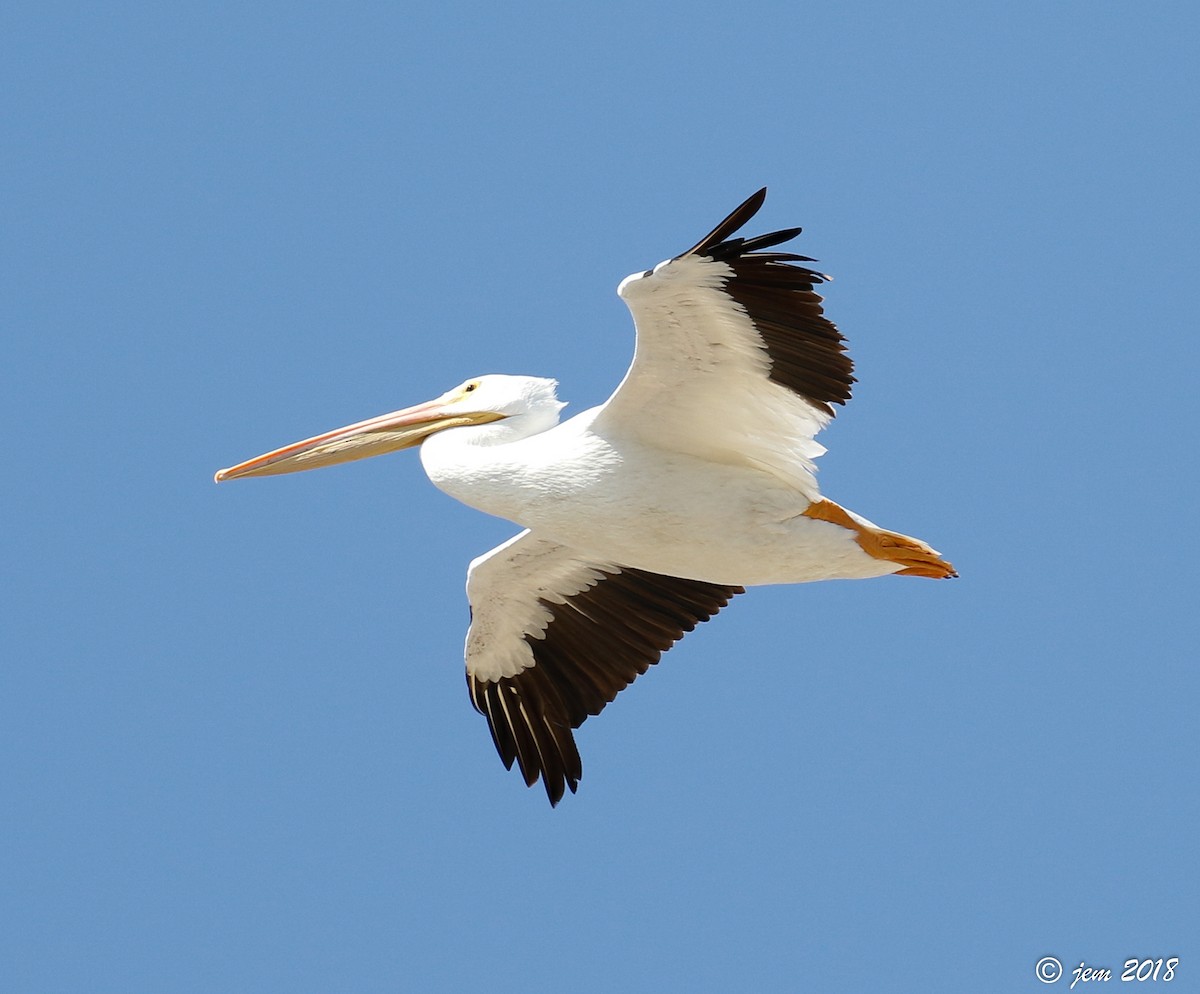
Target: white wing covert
{"x": 554, "y": 638}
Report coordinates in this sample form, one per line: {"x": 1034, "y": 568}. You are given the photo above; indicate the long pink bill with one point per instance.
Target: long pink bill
{"x": 374, "y": 437}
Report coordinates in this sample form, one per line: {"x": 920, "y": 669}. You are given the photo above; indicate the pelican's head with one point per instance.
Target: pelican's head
{"x": 528, "y": 403}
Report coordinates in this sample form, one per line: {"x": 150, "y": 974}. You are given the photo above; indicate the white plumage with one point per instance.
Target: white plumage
{"x": 646, "y": 515}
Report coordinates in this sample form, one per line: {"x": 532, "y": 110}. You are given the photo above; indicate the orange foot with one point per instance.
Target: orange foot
{"x": 915, "y": 556}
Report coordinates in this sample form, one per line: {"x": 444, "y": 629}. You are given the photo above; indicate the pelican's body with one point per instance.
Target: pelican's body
{"x": 643, "y": 516}
{"x": 613, "y": 498}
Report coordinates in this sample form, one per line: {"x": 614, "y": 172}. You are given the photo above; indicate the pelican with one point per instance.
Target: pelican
{"x": 644, "y": 516}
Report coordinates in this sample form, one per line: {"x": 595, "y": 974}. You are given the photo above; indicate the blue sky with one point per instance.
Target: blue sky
{"x": 236, "y": 752}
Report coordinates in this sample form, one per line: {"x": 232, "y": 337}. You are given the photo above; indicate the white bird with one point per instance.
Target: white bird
{"x": 645, "y": 515}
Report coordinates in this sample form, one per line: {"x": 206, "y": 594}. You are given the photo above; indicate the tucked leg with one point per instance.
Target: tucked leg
{"x": 916, "y": 558}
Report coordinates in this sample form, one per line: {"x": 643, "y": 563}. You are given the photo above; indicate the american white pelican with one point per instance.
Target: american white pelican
{"x": 645, "y": 515}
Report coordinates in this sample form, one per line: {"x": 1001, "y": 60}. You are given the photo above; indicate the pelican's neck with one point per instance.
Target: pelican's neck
{"x": 484, "y": 466}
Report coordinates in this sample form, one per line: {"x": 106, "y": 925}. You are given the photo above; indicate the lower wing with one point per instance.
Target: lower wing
{"x": 555, "y": 637}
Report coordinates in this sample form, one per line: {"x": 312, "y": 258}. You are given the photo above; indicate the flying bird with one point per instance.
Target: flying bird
{"x": 644, "y": 516}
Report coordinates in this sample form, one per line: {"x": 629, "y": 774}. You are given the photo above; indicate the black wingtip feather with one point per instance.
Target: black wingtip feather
{"x": 737, "y": 218}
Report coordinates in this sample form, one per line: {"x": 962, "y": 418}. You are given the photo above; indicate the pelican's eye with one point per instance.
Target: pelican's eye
{"x": 469, "y": 387}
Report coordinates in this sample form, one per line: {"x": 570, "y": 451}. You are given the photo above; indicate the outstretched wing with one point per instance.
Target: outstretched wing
{"x": 555, "y": 637}
{"x": 735, "y": 359}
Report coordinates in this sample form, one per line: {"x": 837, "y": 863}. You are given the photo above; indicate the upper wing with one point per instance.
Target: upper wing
{"x": 735, "y": 360}
{"x": 554, "y": 638}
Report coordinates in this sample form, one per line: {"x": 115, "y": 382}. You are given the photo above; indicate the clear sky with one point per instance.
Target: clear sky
{"x": 236, "y": 751}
